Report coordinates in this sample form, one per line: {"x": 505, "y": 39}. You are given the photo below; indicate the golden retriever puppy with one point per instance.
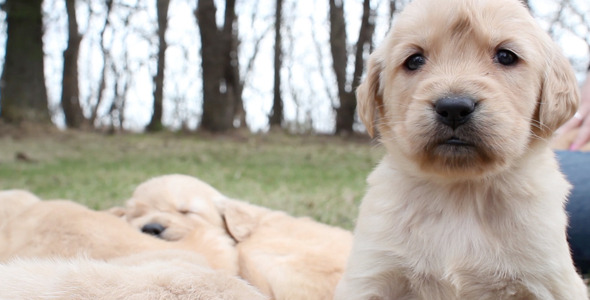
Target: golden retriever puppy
{"x": 468, "y": 202}
{"x": 167, "y": 274}
{"x": 285, "y": 257}
{"x": 171, "y": 206}
{"x": 67, "y": 229}
{"x": 12, "y": 202}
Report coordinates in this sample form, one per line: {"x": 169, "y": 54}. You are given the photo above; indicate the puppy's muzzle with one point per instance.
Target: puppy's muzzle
{"x": 154, "y": 229}
{"x": 454, "y": 111}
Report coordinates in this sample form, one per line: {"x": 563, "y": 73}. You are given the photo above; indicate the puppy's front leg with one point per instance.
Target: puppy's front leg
{"x": 367, "y": 278}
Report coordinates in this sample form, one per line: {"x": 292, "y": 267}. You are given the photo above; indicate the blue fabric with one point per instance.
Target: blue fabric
{"x": 576, "y": 167}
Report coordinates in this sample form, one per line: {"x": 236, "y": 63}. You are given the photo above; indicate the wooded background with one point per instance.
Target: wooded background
{"x": 208, "y": 64}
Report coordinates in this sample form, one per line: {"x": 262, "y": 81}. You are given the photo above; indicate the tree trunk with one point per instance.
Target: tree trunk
{"x": 232, "y": 72}
{"x": 340, "y": 61}
{"x": 276, "y": 115}
{"x": 24, "y": 95}
{"x": 220, "y": 85}
{"x": 239, "y": 111}
{"x": 338, "y": 45}
{"x": 70, "y": 95}
{"x": 346, "y": 89}
{"x": 363, "y": 46}
{"x": 156, "y": 121}
{"x": 392, "y": 10}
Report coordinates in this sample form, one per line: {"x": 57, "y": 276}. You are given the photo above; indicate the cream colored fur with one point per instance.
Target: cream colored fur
{"x": 12, "y": 202}
{"x": 484, "y": 221}
{"x": 67, "y": 229}
{"x": 178, "y": 202}
{"x": 167, "y": 274}
{"x": 285, "y": 257}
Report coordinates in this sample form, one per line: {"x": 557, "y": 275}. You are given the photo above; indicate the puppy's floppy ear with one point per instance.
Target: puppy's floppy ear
{"x": 559, "y": 96}
{"x": 368, "y": 94}
{"x": 118, "y": 211}
{"x": 239, "y": 221}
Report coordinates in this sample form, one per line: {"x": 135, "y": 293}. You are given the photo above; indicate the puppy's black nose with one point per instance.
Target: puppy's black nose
{"x": 454, "y": 111}
{"x": 154, "y": 229}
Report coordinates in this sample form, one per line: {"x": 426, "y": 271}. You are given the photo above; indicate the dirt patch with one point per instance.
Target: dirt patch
{"x": 28, "y": 129}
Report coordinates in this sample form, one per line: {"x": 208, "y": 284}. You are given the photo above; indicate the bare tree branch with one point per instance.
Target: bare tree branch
{"x": 318, "y": 49}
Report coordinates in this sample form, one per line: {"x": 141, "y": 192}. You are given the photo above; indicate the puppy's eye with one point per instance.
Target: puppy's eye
{"x": 506, "y": 57}
{"x": 414, "y": 62}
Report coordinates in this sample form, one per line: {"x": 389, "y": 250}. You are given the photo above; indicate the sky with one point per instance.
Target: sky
{"x": 309, "y": 88}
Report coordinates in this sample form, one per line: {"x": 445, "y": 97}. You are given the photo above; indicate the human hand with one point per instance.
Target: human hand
{"x": 580, "y": 123}
{"x": 581, "y": 120}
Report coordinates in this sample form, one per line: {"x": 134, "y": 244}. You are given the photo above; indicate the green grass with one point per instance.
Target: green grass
{"x": 317, "y": 176}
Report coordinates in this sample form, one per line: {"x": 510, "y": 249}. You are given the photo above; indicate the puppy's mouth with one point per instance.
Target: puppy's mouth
{"x": 458, "y": 142}
{"x": 456, "y": 146}
{"x": 464, "y": 150}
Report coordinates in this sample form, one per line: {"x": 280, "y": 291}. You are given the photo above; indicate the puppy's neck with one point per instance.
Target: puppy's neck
{"x": 507, "y": 189}
{"x": 407, "y": 167}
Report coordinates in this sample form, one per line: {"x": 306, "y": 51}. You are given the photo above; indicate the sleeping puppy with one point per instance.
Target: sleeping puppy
{"x": 164, "y": 274}
{"x": 66, "y": 229}
{"x": 285, "y": 257}
{"x": 171, "y": 206}
{"x": 468, "y": 202}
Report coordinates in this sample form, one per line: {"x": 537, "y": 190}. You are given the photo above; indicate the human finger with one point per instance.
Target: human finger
{"x": 573, "y": 123}
{"x": 582, "y": 137}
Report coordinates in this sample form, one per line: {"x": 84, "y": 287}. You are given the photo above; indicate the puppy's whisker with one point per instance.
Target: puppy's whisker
{"x": 539, "y": 125}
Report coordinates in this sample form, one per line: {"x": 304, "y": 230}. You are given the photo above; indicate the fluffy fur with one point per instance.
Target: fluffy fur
{"x": 13, "y": 202}
{"x": 177, "y": 202}
{"x": 168, "y": 274}
{"x": 67, "y": 229}
{"x": 479, "y": 219}
{"x": 285, "y": 257}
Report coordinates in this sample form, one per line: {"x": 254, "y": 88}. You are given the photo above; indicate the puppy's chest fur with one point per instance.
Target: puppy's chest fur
{"x": 438, "y": 234}
{"x": 444, "y": 237}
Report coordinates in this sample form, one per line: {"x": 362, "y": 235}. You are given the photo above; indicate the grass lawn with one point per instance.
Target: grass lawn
{"x": 318, "y": 176}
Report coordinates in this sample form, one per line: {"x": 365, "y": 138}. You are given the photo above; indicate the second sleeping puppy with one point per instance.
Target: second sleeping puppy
{"x": 62, "y": 228}
{"x": 285, "y": 257}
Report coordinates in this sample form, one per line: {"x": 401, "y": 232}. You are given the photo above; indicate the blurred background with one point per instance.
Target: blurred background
{"x": 213, "y": 65}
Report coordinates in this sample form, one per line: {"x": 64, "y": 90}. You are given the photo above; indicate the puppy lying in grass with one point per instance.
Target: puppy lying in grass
{"x": 285, "y": 257}
{"x": 66, "y": 229}
{"x": 172, "y": 206}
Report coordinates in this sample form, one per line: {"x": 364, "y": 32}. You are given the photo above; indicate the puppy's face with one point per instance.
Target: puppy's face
{"x": 172, "y": 206}
{"x": 464, "y": 87}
